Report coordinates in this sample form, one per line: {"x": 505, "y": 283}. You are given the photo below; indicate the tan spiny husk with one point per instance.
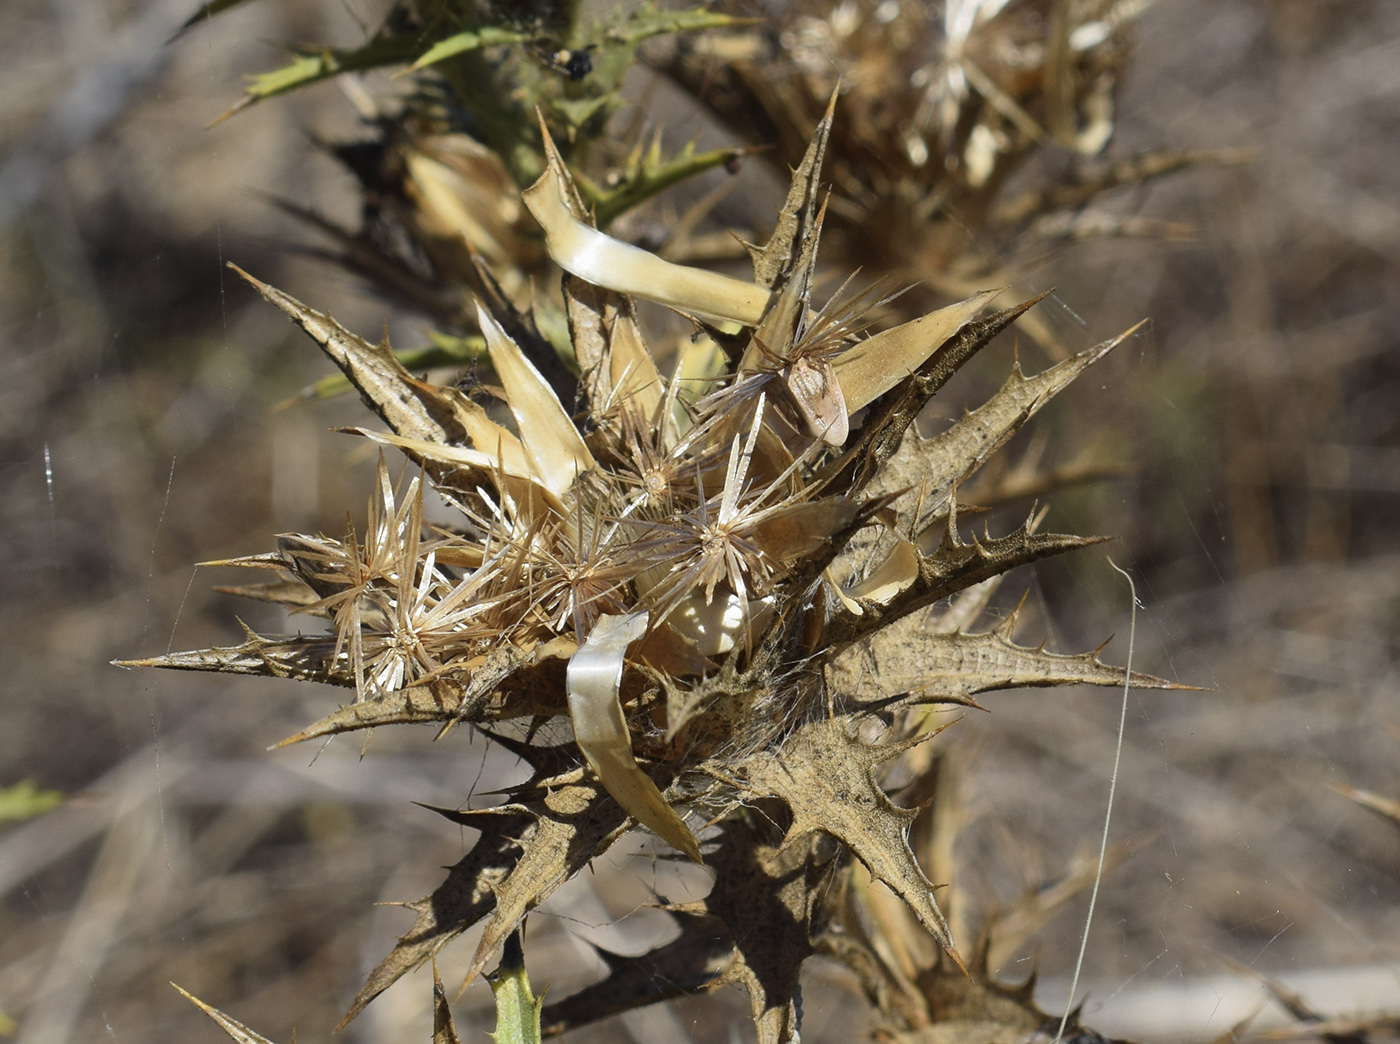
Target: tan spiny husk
{"x": 787, "y": 659}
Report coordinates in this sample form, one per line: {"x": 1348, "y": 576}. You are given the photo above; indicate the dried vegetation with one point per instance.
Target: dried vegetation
{"x": 711, "y": 576}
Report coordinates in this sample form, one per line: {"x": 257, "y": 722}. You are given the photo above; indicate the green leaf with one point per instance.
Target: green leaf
{"x": 578, "y": 111}
{"x": 649, "y": 22}
{"x": 517, "y": 1008}
{"x": 469, "y": 40}
{"x": 647, "y": 174}
{"x": 25, "y": 801}
{"x": 314, "y": 64}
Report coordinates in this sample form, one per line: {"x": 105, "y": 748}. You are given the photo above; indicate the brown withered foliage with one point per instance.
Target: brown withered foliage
{"x": 745, "y": 583}
{"x": 778, "y": 582}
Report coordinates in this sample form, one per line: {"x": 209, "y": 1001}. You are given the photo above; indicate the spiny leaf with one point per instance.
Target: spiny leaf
{"x": 517, "y": 1008}
{"x": 875, "y": 365}
{"x": 312, "y": 65}
{"x": 1133, "y": 170}
{"x": 593, "y": 313}
{"x": 687, "y": 964}
{"x": 1386, "y": 808}
{"x": 649, "y": 175}
{"x": 239, "y": 1032}
{"x": 892, "y": 994}
{"x": 908, "y": 657}
{"x": 648, "y": 22}
{"x": 410, "y": 408}
{"x": 955, "y": 565}
{"x": 575, "y": 823}
{"x": 557, "y": 451}
{"x": 441, "y": 700}
{"x": 305, "y": 658}
{"x": 468, "y": 40}
{"x": 766, "y": 891}
{"x": 208, "y": 10}
{"x": 877, "y": 448}
{"x": 290, "y": 593}
{"x": 773, "y": 261}
{"x": 956, "y": 453}
{"x": 445, "y": 351}
{"x": 527, "y": 849}
{"x": 444, "y": 1030}
{"x": 979, "y": 1010}
{"x": 462, "y": 900}
{"x": 826, "y": 776}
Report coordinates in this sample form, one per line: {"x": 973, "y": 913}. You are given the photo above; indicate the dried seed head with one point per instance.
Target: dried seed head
{"x": 665, "y": 580}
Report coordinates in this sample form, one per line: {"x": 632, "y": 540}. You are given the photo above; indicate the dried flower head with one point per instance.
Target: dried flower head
{"x": 702, "y": 584}
{"x": 975, "y": 130}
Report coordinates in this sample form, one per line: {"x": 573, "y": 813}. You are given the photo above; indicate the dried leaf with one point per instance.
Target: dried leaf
{"x": 498, "y": 470}
{"x": 773, "y": 262}
{"x": 695, "y": 959}
{"x": 290, "y": 593}
{"x": 1387, "y": 808}
{"x": 306, "y": 658}
{"x": 593, "y": 312}
{"x": 527, "y": 849}
{"x": 598, "y": 258}
{"x": 910, "y": 657}
{"x": 575, "y": 822}
{"x": 636, "y": 381}
{"x": 878, "y": 363}
{"x": 469, "y": 698}
{"x": 462, "y": 900}
{"x": 557, "y": 452}
{"x": 444, "y": 1030}
{"x": 955, "y": 565}
{"x": 766, "y": 891}
{"x": 896, "y": 573}
{"x": 411, "y": 408}
{"x": 594, "y": 680}
{"x": 877, "y": 450}
{"x": 826, "y": 776}
{"x": 955, "y": 454}
{"x": 239, "y": 1032}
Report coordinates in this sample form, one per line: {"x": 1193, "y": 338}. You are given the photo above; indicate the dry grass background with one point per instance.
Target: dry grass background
{"x": 137, "y": 436}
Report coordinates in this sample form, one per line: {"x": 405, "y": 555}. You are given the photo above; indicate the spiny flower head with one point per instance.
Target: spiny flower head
{"x": 699, "y": 581}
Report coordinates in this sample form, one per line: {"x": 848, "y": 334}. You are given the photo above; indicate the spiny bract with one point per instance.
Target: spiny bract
{"x": 729, "y": 590}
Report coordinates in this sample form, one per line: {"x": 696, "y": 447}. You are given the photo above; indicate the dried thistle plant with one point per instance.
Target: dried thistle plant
{"x": 441, "y": 165}
{"x": 973, "y": 143}
{"x": 744, "y": 581}
{"x": 732, "y": 599}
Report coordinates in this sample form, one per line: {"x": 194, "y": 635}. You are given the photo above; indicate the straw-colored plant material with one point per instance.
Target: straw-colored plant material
{"x": 661, "y": 573}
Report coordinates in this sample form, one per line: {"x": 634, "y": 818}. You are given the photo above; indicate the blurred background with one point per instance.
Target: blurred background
{"x": 139, "y": 433}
